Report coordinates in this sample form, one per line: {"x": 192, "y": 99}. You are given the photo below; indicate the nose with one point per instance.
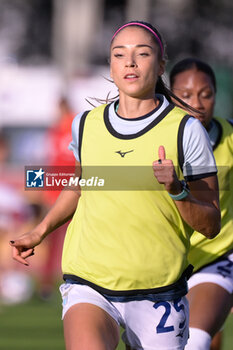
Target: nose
{"x": 130, "y": 62}
{"x": 196, "y": 102}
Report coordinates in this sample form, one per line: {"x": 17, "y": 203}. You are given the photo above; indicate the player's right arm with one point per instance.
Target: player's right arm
{"x": 60, "y": 213}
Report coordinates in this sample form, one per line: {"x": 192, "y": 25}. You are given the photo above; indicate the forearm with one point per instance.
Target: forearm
{"x": 61, "y": 212}
{"x": 202, "y": 216}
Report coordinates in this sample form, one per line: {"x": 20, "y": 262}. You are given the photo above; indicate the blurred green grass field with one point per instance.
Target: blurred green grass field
{"x": 37, "y": 325}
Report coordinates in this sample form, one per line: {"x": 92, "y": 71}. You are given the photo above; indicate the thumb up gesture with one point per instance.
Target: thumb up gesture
{"x": 165, "y": 173}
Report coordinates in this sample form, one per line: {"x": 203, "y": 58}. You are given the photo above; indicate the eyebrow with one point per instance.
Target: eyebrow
{"x": 125, "y": 46}
{"x": 188, "y": 88}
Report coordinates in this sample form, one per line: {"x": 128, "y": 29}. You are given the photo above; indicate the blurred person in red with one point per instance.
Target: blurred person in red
{"x": 58, "y": 138}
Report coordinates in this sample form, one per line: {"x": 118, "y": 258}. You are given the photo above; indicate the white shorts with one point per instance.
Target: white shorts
{"x": 148, "y": 325}
{"x": 220, "y": 273}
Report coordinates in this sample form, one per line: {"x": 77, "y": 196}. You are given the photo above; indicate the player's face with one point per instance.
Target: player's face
{"x": 195, "y": 88}
{"x": 135, "y": 64}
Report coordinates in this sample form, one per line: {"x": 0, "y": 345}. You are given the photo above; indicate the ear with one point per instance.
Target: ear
{"x": 110, "y": 71}
{"x": 161, "y": 67}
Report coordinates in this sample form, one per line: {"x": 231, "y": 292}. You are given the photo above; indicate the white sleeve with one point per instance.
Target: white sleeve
{"x": 199, "y": 161}
{"x": 74, "y": 144}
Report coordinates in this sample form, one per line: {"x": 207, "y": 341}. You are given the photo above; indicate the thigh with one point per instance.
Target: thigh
{"x": 156, "y": 325}
{"x": 91, "y": 322}
{"x": 210, "y": 305}
{"x": 88, "y": 327}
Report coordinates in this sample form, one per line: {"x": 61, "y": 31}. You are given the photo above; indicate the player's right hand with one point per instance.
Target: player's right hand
{"x": 23, "y": 247}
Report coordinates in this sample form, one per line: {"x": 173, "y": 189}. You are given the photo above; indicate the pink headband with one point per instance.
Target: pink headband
{"x": 141, "y": 25}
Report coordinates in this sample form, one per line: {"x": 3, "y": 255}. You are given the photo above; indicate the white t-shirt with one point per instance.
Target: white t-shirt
{"x": 198, "y": 156}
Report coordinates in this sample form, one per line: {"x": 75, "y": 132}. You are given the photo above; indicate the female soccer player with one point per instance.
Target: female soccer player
{"x": 211, "y": 286}
{"x": 125, "y": 252}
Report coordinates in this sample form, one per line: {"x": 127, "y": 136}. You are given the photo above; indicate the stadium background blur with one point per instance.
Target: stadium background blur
{"x": 54, "y": 55}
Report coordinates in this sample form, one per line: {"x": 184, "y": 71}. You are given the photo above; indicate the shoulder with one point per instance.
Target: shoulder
{"x": 186, "y": 119}
{"x": 194, "y": 127}
{"x": 79, "y": 119}
{"x": 223, "y": 121}
{"x": 225, "y": 126}
{"x": 96, "y": 111}
{"x": 190, "y": 127}
{"x": 196, "y": 140}
{"x": 178, "y": 110}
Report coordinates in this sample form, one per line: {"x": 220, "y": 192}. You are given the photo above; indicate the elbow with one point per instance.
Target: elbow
{"x": 210, "y": 234}
{"x": 213, "y": 229}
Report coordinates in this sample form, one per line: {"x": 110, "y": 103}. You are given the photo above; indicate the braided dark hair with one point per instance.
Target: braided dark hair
{"x": 189, "y": 63}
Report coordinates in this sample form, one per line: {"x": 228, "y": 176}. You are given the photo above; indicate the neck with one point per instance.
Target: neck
{"x": 132, "y": 108}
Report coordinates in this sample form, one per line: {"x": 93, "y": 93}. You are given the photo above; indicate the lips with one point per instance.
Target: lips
{"x": 130, "y": 76}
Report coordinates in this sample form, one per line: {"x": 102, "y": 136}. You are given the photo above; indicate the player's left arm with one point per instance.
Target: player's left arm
{"x": 200, "y": 208}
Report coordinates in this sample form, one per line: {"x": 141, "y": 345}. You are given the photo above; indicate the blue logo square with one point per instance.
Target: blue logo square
{"x": 35, "y": 178}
